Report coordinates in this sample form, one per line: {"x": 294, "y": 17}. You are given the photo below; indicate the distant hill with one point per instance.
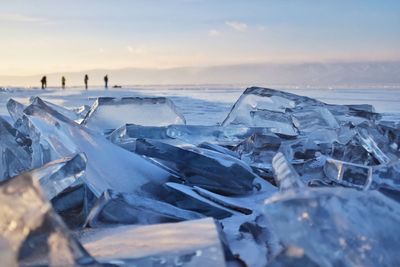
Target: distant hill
{"x": 312, "y": 74}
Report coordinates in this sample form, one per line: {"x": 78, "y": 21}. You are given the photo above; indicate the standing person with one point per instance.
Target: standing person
{"x": 44, "y": 82}
{"x": 86, "y": 81}
{"x": 63, "y": 82}
{"x": 106, "y": 81}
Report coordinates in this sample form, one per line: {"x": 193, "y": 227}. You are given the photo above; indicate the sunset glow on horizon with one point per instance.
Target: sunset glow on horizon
{"x": 66, "y": 36}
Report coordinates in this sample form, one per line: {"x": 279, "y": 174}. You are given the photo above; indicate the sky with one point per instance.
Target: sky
{"x": 47, "y": 36}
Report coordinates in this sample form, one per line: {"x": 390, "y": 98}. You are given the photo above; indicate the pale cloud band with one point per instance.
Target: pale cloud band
{"x": 237, "y": 26}
{"x": 13, "y": 17}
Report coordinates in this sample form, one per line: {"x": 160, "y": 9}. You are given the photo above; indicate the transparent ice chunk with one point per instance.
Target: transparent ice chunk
{"x": 109, "y": 113}
{"x": 15, "y": 109}
{"x": 189, "y": 243}
{"x": 338, "y": 226}
{"x": 202, "y": 167}
{"x": 15, "y": 151}
{"x": 258, "y": 99}
{"x": 35, "y": 234}
{"x": 285, "y": 175}
{"x": 123, "y": 208}
{"x": 277, "y": 122}
{"x": 374, "y": 142}
{"x": 309, "y": 119}
{"x": 348, "y": 174}
{"x": 58, "y": 175}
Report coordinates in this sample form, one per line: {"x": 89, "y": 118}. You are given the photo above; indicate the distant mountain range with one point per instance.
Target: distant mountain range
{"x": 307, "y": 74}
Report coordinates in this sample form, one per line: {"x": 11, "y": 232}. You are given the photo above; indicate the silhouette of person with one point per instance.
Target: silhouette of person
{"x": 106, "y": 81}
{"x": 44, "y": 82}
{"x": 86, "y": 81}
{"x": 63, "y": 82}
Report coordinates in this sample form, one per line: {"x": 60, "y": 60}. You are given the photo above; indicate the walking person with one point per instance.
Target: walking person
{"x": 86, "y": 81}
{"x": 44, "y": 82}
{"x": 63, "y": 82}
{"x": 106, "y": 81}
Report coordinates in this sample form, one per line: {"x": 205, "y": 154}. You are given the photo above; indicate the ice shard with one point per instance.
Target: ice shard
{"x": 192, "y": 134}
{"x": 131, "y": 132}
{"x": 186, "y": 197}
{"x": 189, "y": 243}
{"x": 260, "y": 99}
{"x": 109, "y": 113}
{"x": 277, "y": 122}
{"x": 258, "y": 150}
{"x": 284, "y": 173}
{"x": 70, "y": 114}
{"x": 108, "y": 167}
{"x": 56, "y": 176}
{"x": 338, "y": 226}
{"x": 197, "y": 134}
{"x": 386, "y": 176}
{"x": 201, "y": 167}
{"x": 15, "y": 109}
{"x": 35, "y": 235}
{"x": 309, "y": 119}
{"x": 219, "y": 149}
{"x": 348, "y": 174}
{"x": 15, "y": 151}
{"x": 123, "y": 208}
{"x": 374, "y": 142}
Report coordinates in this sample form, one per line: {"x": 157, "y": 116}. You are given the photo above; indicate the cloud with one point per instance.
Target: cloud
{"x": 214, "y": 33}
{"x": 261, "y": 28}
{"x": 137, "y": 50}
{"x": 12, "y": 17}
{"x": 237, "y": 26}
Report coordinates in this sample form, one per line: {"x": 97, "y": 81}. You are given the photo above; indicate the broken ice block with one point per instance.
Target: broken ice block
{"x": 348, "y": 174}
{"x": 70, "y": 114}
{"x": 185, "y": 197}
{"x": 202, "y": 167}
{"x": 108, "y": 167}
{"x": 259, "y": 149}
{"x": 15, "y": 109}
{"x": 109, "y": 113}
{"x": 130, "y": 132}
{"x": 124, "y": 208}
{"x": 35, "y": 235}
{"x": 338, "y": 226}
{"x": 192, "y": 134}
{"x": 15, "y": 154}
{"x": 387, "y": 176}
{"x": 374, "y": 142}
{"x": 285, "y": 175}
{"x": 309, "y": 119}
{"x": 219, "y": 149}
{"x": 277, "y": 122}
{"x": 257, "y": 98}
{"x": 190, "y": 243}
{"x": 57, "y": 175}
{"x": 221, "y": 135}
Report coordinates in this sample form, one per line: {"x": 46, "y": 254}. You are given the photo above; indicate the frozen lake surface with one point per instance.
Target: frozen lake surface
{"x": 284, "y": 179}
{"x": 204, "y": 105}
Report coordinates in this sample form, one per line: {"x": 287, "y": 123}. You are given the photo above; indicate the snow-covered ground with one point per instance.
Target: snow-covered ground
{"x": 203, "y": 105}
